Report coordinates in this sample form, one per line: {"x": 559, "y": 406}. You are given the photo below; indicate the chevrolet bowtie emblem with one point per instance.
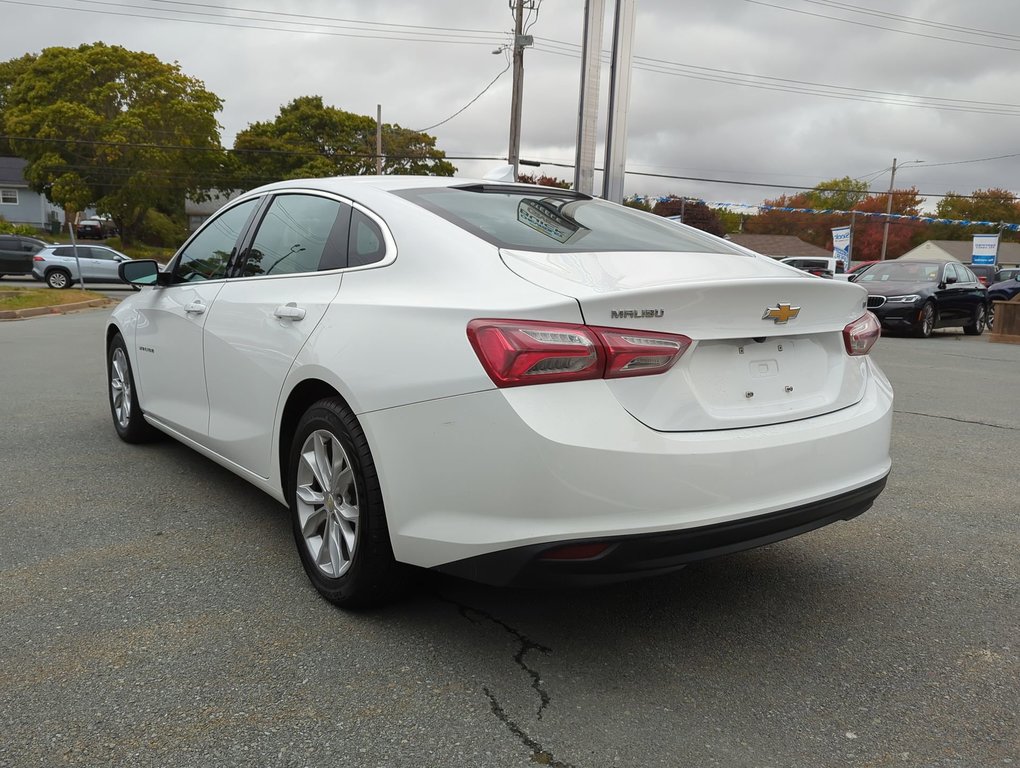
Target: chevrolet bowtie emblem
{"x": 781, "y": 314}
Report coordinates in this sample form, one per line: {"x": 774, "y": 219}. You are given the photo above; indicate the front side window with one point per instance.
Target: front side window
{"x": 207, "y": 255}
{"x": 558, "y": 221}
{"x": 9, "y": 196}
{"x": 299, "y": 233}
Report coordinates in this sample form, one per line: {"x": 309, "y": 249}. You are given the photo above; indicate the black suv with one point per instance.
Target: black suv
{"x": 16, "y": 252}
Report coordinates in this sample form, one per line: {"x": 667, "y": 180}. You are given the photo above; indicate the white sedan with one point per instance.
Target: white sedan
{"x": 510, "y": 383}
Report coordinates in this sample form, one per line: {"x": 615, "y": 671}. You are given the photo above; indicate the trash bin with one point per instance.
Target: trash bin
{"x": 54, "y": 227}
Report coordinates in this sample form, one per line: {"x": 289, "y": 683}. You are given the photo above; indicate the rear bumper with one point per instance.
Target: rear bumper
{"x": 649, "y": 554}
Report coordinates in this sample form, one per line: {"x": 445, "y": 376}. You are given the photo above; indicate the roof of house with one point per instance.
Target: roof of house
{"x": 12, "y": 171}
{"x": 778, "y": 246}
{"x": 1009, "y": 253}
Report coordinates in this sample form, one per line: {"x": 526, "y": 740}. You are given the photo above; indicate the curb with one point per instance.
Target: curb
{"x": 60, "y": 309}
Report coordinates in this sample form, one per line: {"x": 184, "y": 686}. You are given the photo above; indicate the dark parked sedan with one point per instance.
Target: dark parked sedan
{"x": 919, "y": 296}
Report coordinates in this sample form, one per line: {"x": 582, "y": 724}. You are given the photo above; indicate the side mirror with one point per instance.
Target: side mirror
{"x": 950, "y": 280}
{"x": 140, "y": 272}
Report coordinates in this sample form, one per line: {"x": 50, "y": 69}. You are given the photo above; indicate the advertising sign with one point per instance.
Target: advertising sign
{"x": 985, "y": 249}
{"x": 841, "y": 239}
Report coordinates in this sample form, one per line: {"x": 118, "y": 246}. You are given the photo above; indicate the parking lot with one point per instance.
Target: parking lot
{"x": 155, "y": 612}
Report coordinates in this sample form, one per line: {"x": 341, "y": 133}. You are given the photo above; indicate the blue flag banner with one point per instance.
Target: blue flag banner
{"x": 1008, "y": 226}
{"x": 985, "y": 249}
{"x": 841, "y": 239}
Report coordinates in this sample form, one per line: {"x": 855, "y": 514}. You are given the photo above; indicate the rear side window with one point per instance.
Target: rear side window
{"x": 366, "y": 245}
{"x": 528, "y": 219}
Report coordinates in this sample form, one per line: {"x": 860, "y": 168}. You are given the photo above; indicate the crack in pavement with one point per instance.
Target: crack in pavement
{"x": 539, "y": 754}
{"x": 951, "y": 418}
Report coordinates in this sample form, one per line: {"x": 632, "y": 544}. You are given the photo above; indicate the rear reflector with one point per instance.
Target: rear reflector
{"x": 576, "y": 551}
{"x": 860, "y": 336}
{"x": 520, "y": 352}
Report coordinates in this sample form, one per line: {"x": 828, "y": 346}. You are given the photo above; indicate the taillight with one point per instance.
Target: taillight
{"x": 520, "y": 352}
{"x": 860, "y": 336}
{"x": 38, "y": 258}
{"x": 640, "y": 353}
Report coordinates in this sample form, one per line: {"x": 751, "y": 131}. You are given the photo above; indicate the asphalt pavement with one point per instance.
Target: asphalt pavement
{"x": 154, "y": 612}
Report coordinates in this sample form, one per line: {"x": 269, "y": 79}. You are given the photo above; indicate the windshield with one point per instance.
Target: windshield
{"x": 913, "y": 272}
{"x": 529, "y": 219}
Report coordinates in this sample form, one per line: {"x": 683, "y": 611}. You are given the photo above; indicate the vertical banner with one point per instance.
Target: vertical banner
{"x": 985, "y": 249}
{"x": 841, "y": 245}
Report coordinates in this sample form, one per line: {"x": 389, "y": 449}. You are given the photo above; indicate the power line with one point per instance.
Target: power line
{"x": 878, "y": 26}
{"x": 790, "y": 85}
{"x": 914, "y": 20}
{"x": 437, "y": 37}
{"x": 476, "y": 98}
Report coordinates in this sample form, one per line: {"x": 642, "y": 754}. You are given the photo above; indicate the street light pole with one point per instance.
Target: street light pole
{"x": 888, "y": 211}
{"x": 888, "y": 203}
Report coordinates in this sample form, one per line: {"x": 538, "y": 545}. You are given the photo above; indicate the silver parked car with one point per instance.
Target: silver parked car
{"x": 56, "y": 266}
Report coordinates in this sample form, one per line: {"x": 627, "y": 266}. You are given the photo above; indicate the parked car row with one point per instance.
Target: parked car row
{"x": 56, "y": 265}
{"x": 920, "y": 296}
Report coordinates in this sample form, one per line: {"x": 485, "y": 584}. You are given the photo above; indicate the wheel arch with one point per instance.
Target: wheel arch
{"x": 300, "y": 399}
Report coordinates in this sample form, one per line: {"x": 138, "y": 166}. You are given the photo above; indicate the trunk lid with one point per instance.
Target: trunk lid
{"x": 768, "y": 344}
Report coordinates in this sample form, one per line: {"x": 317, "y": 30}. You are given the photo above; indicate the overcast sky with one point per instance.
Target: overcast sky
{"x": 931, "y": 80}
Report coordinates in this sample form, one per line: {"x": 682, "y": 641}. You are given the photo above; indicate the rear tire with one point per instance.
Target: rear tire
{"x": 977, "y": 327}
{"x": 58, "y": 278}
{"x": 337, "y": 509}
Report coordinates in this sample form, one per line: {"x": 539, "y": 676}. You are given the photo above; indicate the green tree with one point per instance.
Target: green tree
{"x": 998, "y": 205}
{"x": 838, "y": 194}
{"x": 9, "y": 72}
{"x": 116, "y": 129}
{"x": 307, "y": 139}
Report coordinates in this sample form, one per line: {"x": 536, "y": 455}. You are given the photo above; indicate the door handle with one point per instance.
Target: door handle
{"x": 289, "y": 311}
{"x": 194, "y": 308}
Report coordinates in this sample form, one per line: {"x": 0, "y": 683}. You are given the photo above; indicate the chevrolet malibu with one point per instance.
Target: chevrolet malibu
{"x": 508, "y": 383}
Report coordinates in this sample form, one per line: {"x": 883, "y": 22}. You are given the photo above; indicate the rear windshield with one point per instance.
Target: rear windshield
{"x": 529, "y": 219}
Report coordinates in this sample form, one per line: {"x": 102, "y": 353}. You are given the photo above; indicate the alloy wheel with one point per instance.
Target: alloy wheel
{"x": 327, "y": 503}
{"x": 120, "y": 388}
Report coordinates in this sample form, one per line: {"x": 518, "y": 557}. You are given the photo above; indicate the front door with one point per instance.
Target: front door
{"x": 169, "y": 340}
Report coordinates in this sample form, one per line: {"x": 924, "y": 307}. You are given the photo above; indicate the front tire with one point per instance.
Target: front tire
{"x": 926, "y": 324}
{"x": 337, "y": 509}
{"x": 127, "y": 415}
{"x": 980, "y": 320}
{"x": 59, "y": 279}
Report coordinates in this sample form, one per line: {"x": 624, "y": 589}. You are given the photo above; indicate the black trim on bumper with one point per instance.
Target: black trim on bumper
{"x": 654, "y": 553}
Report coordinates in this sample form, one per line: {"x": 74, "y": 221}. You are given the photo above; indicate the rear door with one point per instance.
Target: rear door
{"x": 102, "y": 264}
{"x": 262, "y": 317}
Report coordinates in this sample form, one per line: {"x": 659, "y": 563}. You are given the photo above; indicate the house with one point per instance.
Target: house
{"x": 18, "y": 203}
{"x": 778, "y": 246}
{"x": 1009, "y": 253}
{"x": 198, "y": 212}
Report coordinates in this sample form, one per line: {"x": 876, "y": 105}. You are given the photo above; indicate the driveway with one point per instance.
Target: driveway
{"x": 155, "y": 613}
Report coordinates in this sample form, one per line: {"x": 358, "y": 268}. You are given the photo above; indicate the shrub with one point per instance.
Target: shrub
{"x": 160, "y": 230}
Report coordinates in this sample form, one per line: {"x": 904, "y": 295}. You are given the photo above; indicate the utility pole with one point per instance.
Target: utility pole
{"x": 619, "y": 102}
{"x": 888, "y": 211}
{"x": 588, "y": 103}
{"x": 514, "y": 153}
{"x": 378, "y": 139}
